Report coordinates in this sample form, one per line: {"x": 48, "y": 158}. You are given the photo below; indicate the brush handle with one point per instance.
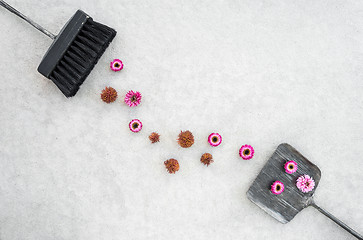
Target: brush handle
{"x": 337, "y": 221}
{"x": 31, "y": 22}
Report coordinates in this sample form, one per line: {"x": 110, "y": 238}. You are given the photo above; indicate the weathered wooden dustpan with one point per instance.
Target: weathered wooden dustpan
{"x": 285, "y": 206}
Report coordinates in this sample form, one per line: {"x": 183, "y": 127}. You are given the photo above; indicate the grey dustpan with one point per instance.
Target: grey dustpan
{"x": 285, "y": 206}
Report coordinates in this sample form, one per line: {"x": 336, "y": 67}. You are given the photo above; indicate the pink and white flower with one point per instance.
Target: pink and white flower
{"x": 277, "y": 187}
{"x": 246, "y": 152}
{"x": 214, "y": 139}
{"x": 116, "y": 65}
{"x": 135, "y": 125}
{"x": 290, "y": 167}
{"x": 133, "y": 98}
{"x": 305, "y": 183}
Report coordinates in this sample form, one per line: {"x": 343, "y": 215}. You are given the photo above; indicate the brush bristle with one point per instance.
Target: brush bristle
{"x": 81, "y": 56}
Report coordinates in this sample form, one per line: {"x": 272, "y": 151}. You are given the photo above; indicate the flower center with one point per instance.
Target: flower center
{"x": 246, "y": 152}
{"x": 133, "y": 98}
{"x": 291, "y": 167}
{"x": 307, "y": 184}
{"x": 117, "y": 65}
{"x": 278, "y": 187}
{"x": 214, "y": 139}
{"x": 135, "y": 125}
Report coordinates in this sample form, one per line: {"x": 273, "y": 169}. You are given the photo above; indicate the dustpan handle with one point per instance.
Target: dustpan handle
{"x": 337, "y": 221}
{"x": 31, "y": 22}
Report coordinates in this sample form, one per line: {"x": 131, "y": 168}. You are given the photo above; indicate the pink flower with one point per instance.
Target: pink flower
{"x": 214, "y": 139}
{"x": 116, "y": 65}
{"x": 305, "y": 183}
{"x": 135, "y": 125}
{"x": 277, "y": 187}
{"x": 133, "y": 98}
{"x": 246, "y": 152}
{"x": 290, "y": 167}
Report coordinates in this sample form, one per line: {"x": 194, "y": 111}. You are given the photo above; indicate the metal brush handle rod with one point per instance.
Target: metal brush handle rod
{"x": 337, "y": 221}
{"x": 31, "y": 22}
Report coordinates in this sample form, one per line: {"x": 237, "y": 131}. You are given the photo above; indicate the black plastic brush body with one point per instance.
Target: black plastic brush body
{"x": 74, "y": 51}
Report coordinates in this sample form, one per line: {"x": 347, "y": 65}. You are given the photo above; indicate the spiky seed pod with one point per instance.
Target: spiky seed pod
{"x": 154, "y": 137}
{"x": 186, "y": 139}
{"x": 172, "y": 165}
{"x": 109, "y": 95}
{"x": 206, "y": 159}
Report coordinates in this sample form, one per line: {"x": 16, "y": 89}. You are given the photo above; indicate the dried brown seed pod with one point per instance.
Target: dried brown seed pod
{"x": 186, "y": 139}
{"x": 109, "y": 95}
{"x": 206, "y": 159}
{"x": 172, "y": 165}
{"x": 154, "y": 137}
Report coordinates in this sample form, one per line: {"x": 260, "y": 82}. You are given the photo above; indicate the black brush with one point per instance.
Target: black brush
{"x": 74, "y": 52}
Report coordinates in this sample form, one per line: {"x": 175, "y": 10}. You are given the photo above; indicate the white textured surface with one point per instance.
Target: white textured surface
{"x": 258, "y": 72}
